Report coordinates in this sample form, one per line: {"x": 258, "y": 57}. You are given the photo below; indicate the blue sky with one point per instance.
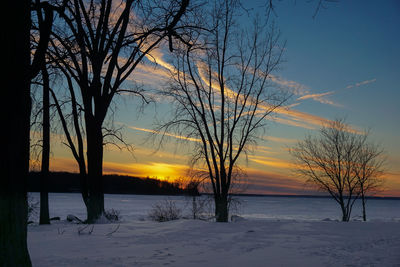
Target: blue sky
{"x": 346, "y": 63}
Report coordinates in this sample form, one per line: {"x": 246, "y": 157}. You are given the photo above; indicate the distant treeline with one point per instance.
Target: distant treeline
{"x": 64, "y": 182}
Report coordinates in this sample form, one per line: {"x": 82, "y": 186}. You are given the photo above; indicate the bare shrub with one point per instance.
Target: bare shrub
{"x": 197, "y": 204}
{"x": 33, "y": 206}
{"x": 112, "y": 215}
{"x": 164, "y": 211}
{"x": 200, "y": 207}
{"x": 235, "y": 205}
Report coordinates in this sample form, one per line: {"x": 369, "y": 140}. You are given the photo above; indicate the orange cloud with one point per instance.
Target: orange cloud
{"x": 272, "y": 162}
{"x": 64, "y": 164}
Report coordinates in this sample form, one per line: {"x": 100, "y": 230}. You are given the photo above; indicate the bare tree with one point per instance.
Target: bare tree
{"x": 222, "y": 96}
{"x": 70, "y": 115}
{"x": 44, "y": 194}
{"x": 333, "y": 162}
{"x": 40, "y": 128}
{"x": 38, "y": 19}
{"x": 99, "y": 44}
{"x": 43, "y": 116}
{"x": 369, "y": 169}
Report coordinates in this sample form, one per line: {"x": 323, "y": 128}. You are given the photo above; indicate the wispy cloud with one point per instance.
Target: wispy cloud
{"x": 360, "y": 83}
{"x": 296, "y": 88}
{"x": 286, "y": 115}
{"x": 264, "y": 182}
{"x": 165, "y": 133}
{"x": 320, "y": 98}
{"x": 293, "y": 117}
{"x": 300, "y": 119}
{"x": 279, "y": 139}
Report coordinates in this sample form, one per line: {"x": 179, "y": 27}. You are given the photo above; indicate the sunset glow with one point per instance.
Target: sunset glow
{"x": 334, "y": 68}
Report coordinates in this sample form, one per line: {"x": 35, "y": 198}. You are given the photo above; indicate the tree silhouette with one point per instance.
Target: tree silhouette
{"x": 44, "y": 217}
{"x": 99, "y": 45}
{"x": 369, "y": 169}
{"x": 222, "y": 94}
{"x": 340, "y": 162}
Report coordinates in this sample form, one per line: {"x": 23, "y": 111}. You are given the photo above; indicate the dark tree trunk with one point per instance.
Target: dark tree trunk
{"x": 363, "y": 207}
{"x": 83, "y": 183}
{"x": 95, "y": 205}
{"x": 44, "y": 194}
{"x": 194, "y": 207}
{"x": 221, "y": 208}
{"x": 345, "y": 217}
{"x": 15, "y": 120}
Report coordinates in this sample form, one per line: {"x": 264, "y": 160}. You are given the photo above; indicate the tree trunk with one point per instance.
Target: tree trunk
{"x": 95, "y": 201}
{"x": 44, "y": 195}
{"x": 345, "y": 217}
{"x": 13, "y": 227}
{"x": 15, "y": 120}
{"x": 194, "y": 207}
{"x": 83, "y": 183}
{"x": 363, "y": 207}
{"x": 221, "y": 208}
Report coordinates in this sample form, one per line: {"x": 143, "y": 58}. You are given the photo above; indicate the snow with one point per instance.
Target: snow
{"x": 271, "y": 231}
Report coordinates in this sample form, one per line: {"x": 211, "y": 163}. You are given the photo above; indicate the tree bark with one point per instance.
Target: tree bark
{"x": 221, "y": 208}
{"x": 363, "y": 207}
{"x": 345, "y": 217}
{"x": 95, "y": 203}
{"x": 44, "y": 194}
{"x": 15, "y": 157}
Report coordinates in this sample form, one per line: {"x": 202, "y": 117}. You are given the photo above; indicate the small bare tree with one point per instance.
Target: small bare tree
{"x": 192, "y": 186}
{"x": 336, "y": 162}
{"x": 369, "y": 169}
{"x": 222, "y": 94}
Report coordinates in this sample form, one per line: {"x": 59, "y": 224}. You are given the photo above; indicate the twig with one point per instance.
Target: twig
{"x": 81, "y": 229}
{"x": 116, "y": 229}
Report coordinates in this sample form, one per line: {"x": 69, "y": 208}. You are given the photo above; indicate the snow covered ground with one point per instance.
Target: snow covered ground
{"x": 275, "y": 231}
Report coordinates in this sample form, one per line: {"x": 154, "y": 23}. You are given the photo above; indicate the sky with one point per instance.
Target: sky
{"x": 344, "y": 62}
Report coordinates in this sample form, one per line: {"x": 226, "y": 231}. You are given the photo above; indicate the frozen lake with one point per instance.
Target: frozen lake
{"x": 277, "y": 231}
{"x": 136, "y": 207}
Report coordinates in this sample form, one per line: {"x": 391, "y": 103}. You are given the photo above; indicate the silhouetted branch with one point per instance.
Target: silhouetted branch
{"x": 45, "y": 25}
{"x": 113, "y": 231}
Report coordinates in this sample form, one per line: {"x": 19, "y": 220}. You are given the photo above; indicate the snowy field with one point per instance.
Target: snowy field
{"x": 274, "y": 231}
